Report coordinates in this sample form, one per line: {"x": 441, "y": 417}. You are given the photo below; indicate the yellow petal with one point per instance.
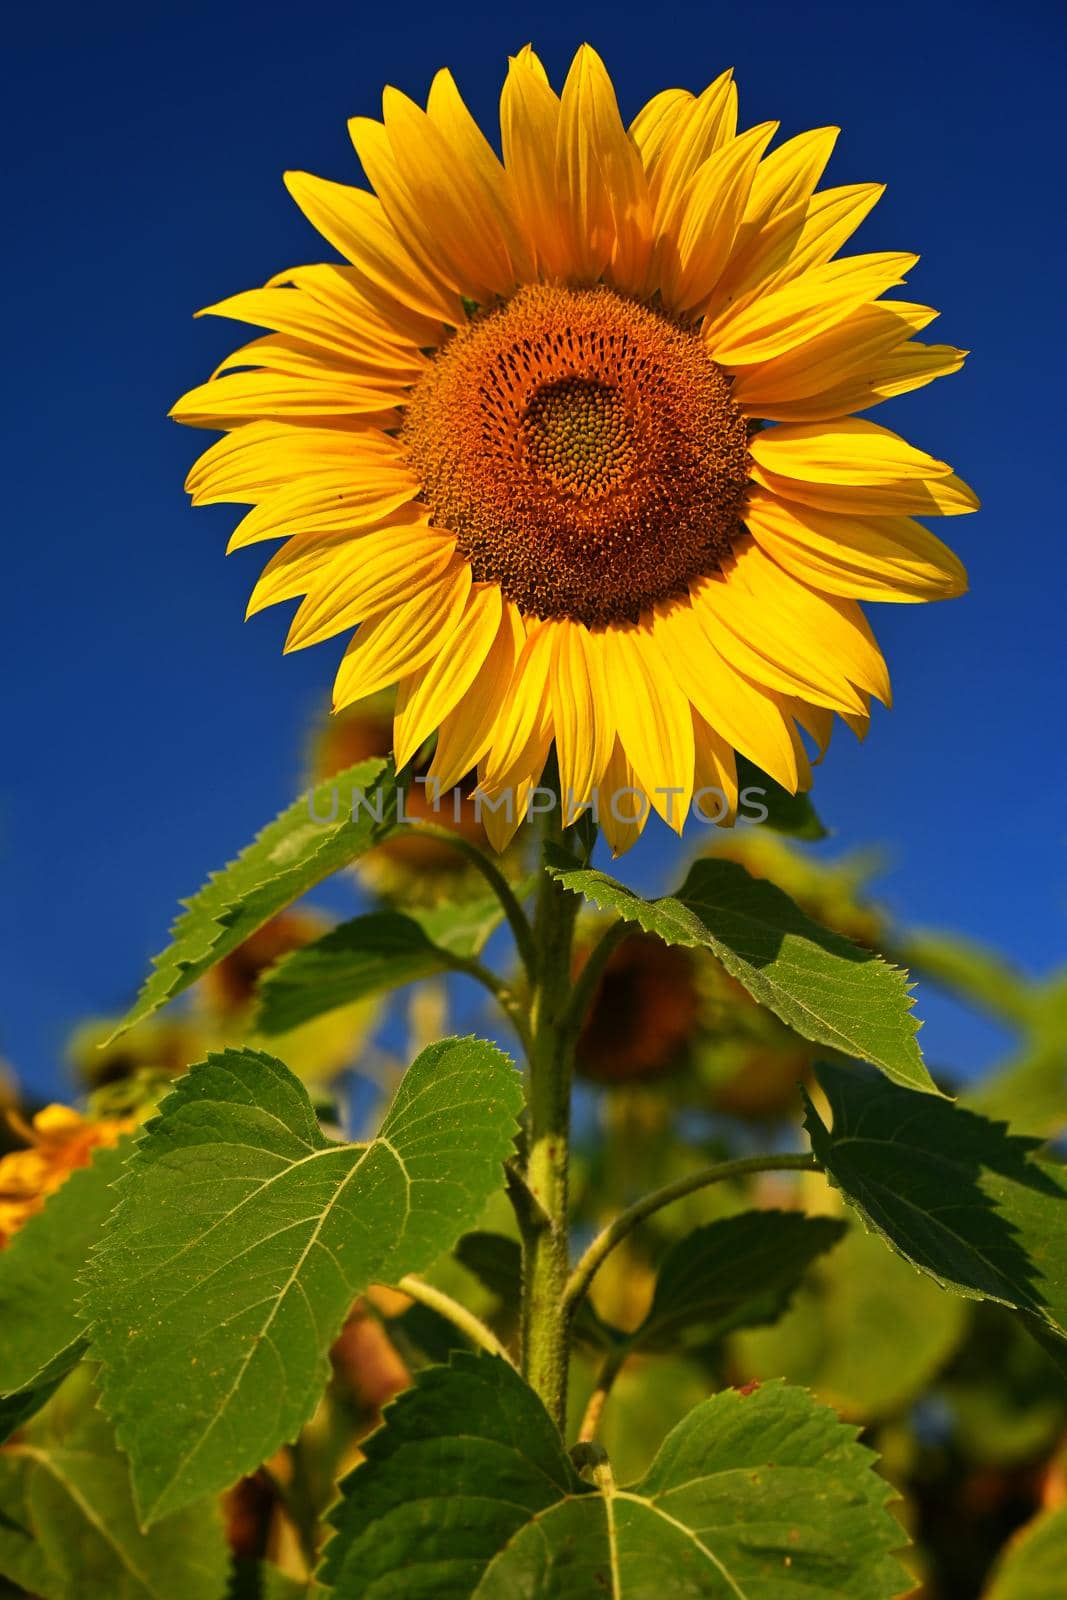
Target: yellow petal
{"x": 358, "y": 343}
{"x": 397, "y": 642}
{"x": 526, "y": 713}
{"x": 788, "y": 175}
{"x": 381, "y": 571}
{"x": 805, "y": 236}
{"x": 849, "y": 450}
{"x": 480, "y": 178}
{"x": 323, "y": 504}
{"x": 320, "y": 392}
{"x": 934, "y": 497}
{"x": 715, "y": 776}
{"x": 425, "y": 699}
{"x": 529, "y": 128}
{"x": 605, "y": 211}
{"x": 384, "y": 325}
{"x": 263, "y": 456}
{"x": 355, "y": 223}
{"x": 624, "y": 808}
{"x": 842, "y": 631}
{"x": 747, "y": 715}
{"x": 581, "y": 717}
{"x": 867, "y": 558}
{"x": 698, "y": 127}
{"x": 769, "y": 642}
{"x": 692, "y": 257}
{"x": 653, "y": 130}
{"x": 776, "y": 322}
{"x": 653, "y": 718}
{"x": 466, "y": 732}
{"x": 842, "y": 352}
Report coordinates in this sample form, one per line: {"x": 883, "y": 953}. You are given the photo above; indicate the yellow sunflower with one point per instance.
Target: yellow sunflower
{"x": 517, "y": 442}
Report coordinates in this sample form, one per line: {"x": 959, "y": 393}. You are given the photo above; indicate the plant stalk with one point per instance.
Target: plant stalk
{"x": 546, "y": 1255}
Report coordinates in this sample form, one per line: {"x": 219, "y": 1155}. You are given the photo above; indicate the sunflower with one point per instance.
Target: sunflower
{"x": 518, "y": 442}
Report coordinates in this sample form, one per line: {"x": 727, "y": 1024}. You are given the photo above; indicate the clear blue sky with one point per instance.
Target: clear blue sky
{"x": 149, "y": 732}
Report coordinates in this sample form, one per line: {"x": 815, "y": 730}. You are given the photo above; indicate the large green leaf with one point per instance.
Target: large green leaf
{"x": 372, "y": 953}
{"x": 467, "y": 1492}
{"x": 737, "y": 1272}
{"x": 43, "y": 1331}
{"x": 321, "y": 832}
{"x": 243, "y": 1235}
{"x": 791, "y": 814}
{"x": 956, "y": 1194}
{"x": 1033, "y": 1565}
{"x": 69, "y": 1529}
{"x": 823, "y": 986}
{"x": 865, "y": 1332}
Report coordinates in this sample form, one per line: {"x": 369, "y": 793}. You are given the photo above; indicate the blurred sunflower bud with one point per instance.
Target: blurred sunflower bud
{"x": 58, "y": 1140}
{"x": 662, "y": 1012}
{"x": 644, "y": 1013}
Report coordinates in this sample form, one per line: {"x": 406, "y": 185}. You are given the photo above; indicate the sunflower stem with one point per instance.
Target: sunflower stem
{"x": 605, "y": 1242}
{"x": 546, "y": 1255}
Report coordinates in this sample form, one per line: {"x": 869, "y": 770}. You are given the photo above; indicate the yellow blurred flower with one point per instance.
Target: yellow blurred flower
{"x": 59, "y": 1140}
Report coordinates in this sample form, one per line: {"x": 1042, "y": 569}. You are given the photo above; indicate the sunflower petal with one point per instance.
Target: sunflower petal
{"x": 581, "y": 718}
{"x": 466, "y": 732}
{"x": 398, "y": 642}
{"x": 776, "y": 322}
{"x": 653, "y": 718}
{"x": 355, "y": 223}
{"x": 692, "y": 257}
{"x": 867, "y": 558}
{"x": 427, "y": 696}
{"x": 605, "y": 208}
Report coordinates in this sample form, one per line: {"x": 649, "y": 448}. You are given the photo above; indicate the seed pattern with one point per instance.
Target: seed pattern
{"x": 585, "y": 451}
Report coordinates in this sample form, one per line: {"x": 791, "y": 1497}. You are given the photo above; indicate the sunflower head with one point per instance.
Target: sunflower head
{"x": 644, "y": 1014}
{"x": 569, "y": 438}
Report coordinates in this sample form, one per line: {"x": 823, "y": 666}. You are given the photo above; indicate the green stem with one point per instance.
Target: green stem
{"x": 546, "y": 1255}
{"x": 517, "y": 919}
{"x": 467, "y": 1323}
{"x": 627, "y": 1220}
{"x": 612, "y": 1365}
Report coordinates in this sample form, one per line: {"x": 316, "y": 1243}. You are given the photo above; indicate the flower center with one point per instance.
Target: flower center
{"x": 585, "y": 451}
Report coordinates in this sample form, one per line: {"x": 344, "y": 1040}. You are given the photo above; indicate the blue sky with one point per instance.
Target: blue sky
{"x": 149, "y": 732}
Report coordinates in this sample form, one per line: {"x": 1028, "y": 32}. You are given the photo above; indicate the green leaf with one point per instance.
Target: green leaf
{"x": 69, "y": 1529}
{"x": 17, "y": 1409}
{"x": 791, "y": 814}
{"x": 44, "y": 1333}
{"x": 958, "y": 1195}
{"x": 821, "y": 985}
{"x": 735, "y": 1273}
{"x": 1032, "y": 1565}
{"x": 865, "y": 1332}
{"x": 372, "y": 953}
{"x": 243, "y": 1235}
{"x": 468, "y": 1492}
{"x": 290, "y": 856}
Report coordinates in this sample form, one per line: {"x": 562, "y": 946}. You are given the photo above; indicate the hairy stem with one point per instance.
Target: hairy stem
{"x": 517, "y": 919}
{"x": 546, "y": 1257}
{"x": 467, "y": 1323}
{"x": 612, "y": 1365}
{"x": 626, "y": 1221}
